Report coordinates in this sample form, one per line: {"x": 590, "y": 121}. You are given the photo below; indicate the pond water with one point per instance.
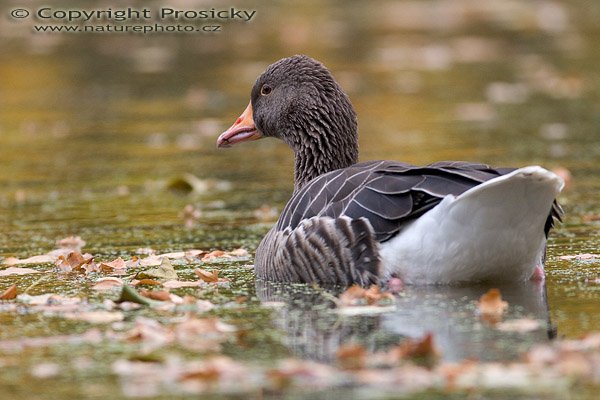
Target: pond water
{"x": 94, "y": 128}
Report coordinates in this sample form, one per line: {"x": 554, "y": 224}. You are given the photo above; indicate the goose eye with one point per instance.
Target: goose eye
{"x": 265, "y": 90}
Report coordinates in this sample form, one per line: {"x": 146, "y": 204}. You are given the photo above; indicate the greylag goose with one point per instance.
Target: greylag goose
{"x": 347, "y": 222}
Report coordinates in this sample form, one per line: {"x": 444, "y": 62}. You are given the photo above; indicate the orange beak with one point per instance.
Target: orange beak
{"x": 243, "y": 130}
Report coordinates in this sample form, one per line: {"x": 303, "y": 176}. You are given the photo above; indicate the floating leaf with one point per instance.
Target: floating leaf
{"x": 129, "y": 294}
{"x": 115, "y": 266}
{"x": 214, "y": 254}
{"x": 207, "y": 276}
{"x": 71, "y": 242}
{"x": 164, "y": 271}
{"x": 160, "y": 295}
{"x": 75, "y": 261}
{"x": 351, "y": 356}
{"x": 10, "y": 293}
{"x": 422, "y": 348}
{"x": 174, "y": 284}
{"x": 18, "y": 271}
{"x": 491, "y": 306}
{"x": 41, "y": 259}
{"x": 522, "y": 325}
{"x": 356, "y": 295}
{"x": 145, "y": 281}
{"x": 96, "y": 317}
{"x": 107, "y": 283}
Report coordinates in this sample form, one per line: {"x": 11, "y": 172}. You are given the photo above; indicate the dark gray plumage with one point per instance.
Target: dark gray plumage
{"x": 330, "y": 230}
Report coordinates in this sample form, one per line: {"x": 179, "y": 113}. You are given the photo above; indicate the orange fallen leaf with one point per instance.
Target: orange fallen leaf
{"x": 214, "y": 254}
{"x": 423, "y": 348}
{"x": 491, "y": 306}
{"x": 115, "y": 266}
{"x": 145, "y": 281}
{"x": 590, "y": 218}
{"x": 10, "y": 293}
{"x": 75, "y": 261}
{"x": 161, "y": 295}
{"x": 209, "y": 374}
{"x": 207, "y": 276}
{"x": 356, "y": 295}
{"x": 351, "y": 356}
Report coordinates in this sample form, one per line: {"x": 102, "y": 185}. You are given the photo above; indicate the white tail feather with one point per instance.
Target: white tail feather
{"x": 493, "y": 232}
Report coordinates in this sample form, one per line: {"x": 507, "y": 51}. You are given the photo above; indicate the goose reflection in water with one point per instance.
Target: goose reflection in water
{"x": 315, "y": 331}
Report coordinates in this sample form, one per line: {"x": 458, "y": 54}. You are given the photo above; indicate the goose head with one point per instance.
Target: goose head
{"x": 298, "y": 101}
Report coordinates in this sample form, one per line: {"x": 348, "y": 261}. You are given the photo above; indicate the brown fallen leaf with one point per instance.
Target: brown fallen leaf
{"x": 75, "y": 261}
{"x": 214, "y": 254}
{"x": 351, "y": 356}
{"x": 161, "y": 295}
{"x": 117, "y": 266}
{"x": 423, "y": 349}
{"x": 491, "y": 306}
{"x": 145, "y": 281}
{"x": 107, "y": 283}
{"x": 207, "y": 276}
{"x": 10, "y": 293}
{"x": 18, "y": 271}
{"x": 356, "y": 295}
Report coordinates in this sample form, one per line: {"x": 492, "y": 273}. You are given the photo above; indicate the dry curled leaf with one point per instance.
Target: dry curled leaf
{"x": 75, "y": 261}
{"x": 10, "y": 293}
{"x": 117, "y": 266}
{"x": 207, "y": 276}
